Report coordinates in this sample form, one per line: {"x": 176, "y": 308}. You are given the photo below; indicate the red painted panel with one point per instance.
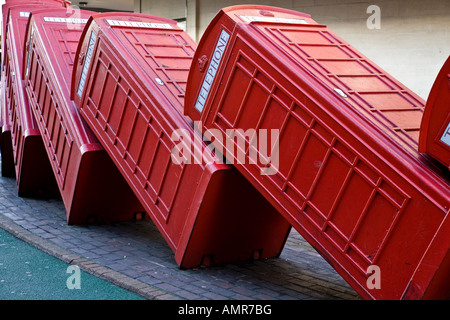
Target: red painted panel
{"x": 349, "y": 177}
{"x": 129, "y": 84}
{"x": 90, "y": 185}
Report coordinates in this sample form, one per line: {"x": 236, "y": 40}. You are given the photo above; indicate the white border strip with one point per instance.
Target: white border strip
{"x": 249, "y": 19}
{"x": 65, "y": 20}
{"x": 134, "y": 24}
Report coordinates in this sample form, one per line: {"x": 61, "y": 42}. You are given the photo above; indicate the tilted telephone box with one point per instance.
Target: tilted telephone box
{"x": 32, "y": 167}
{"x": 350, "y": 178}
{"x": 91, "y": 187}
{"x": 435, "y": 130}
{"x": 8, "y": 169}
{"x": 8, "y": 164}
{"x": 129, "y": 84}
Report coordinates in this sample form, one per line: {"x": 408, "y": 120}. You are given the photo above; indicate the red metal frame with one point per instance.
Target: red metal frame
{"x": 5, "y": 139}
{"x": 33, "y": 171}
{"x": 129, "y": 83}
{"x": 435, "y": 130}
{"x": 8, "y": 163}
{"x": 350, "y": 180}
{"x": 12, "y": 3}
{"x": 91, "y": 187}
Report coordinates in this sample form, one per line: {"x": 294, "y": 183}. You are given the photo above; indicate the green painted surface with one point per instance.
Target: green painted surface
{"x": 27, "y": 273}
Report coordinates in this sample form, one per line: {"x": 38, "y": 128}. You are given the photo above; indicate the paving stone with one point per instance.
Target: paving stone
{"x": 136, "y": 254}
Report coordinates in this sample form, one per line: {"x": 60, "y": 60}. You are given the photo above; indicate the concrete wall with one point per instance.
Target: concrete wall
{"x": 412, "y": 43}
{"x": 172, "y": 9}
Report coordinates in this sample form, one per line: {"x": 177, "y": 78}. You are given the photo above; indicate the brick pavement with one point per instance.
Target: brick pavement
{"x": 135, "y": 256}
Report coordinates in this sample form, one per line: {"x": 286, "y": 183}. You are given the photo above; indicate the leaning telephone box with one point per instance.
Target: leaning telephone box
{"x": 129, "y": 83}
{"x": 91, "y": 187}
{"x": 8, "y": 166}
{"x": 435, "y": 131}
{"x": 33, "y": 171}
{"x": 349, "y": 177}
{"x": 5, "y": 134}
{"x": 12, "y": 3}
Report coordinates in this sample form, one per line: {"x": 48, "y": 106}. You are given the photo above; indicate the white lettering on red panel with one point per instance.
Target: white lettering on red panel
{"x": 65, "y": 20}
{"x": 87, "y": 63}
{"x": 134, "y": 24}
{"x": 249, "y": 19}
{"x": 446, "y": 137}
{"x": 30, "y": 46}
{"x": 212, "y": 70}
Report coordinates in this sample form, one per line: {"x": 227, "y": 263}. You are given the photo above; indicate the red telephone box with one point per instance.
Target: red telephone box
{"x": 435, "y": 130}
{"x": 129, "y": 83}
{"x": 91, "y": 187}
{"x": 5, "y": 138}
{"x": 8, "y": 164}
{"x": 349, "y": 176}
{"x": 33, "y": 171}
